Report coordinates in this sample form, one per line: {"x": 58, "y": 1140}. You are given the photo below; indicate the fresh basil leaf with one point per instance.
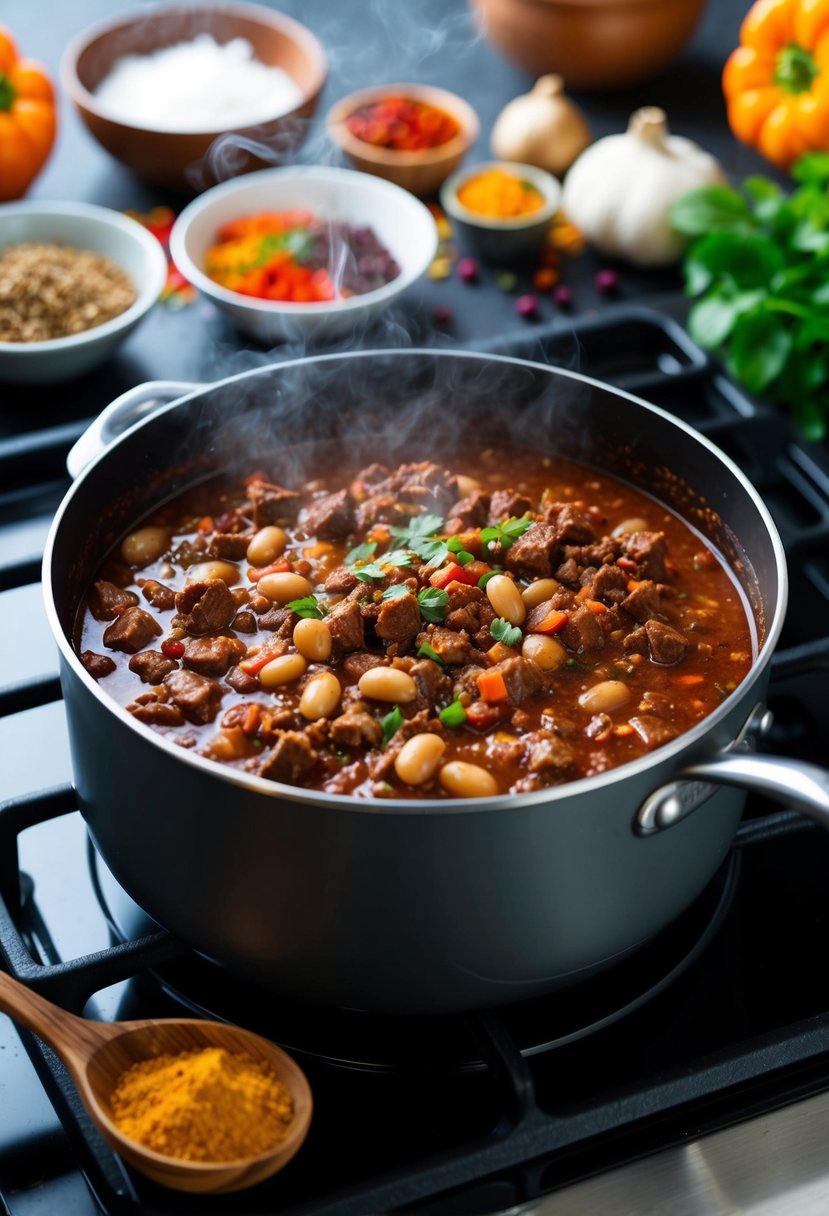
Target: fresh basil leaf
{"x": 758, "y": 351}
{"x": 711, "y": 209}
{"x": 747, "y": 259}
{"x": 361, "y": 553}
{"x": 308, "y": 606}
{"x": 391, "y": 723}
{"x": 712, "y": 319}
{"x": 433, "y": 603}
{"x": 503, "y": 631}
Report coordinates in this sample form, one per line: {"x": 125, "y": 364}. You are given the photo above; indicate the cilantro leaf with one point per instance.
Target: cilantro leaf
{"x": 418, "y": 527}
{"x": 505, "y": 533}
{"x": 308, "y": 606}
{"x": 396, "y": 591}
{"x": 502, "y": 631}
{"x": 433, "y": 604}
{"x": 361, "y": 553}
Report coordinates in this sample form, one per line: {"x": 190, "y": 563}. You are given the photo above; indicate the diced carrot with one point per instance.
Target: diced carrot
{"x": 633, "y": 583}
{"x": 583, "y": 593}
{"x": 256, "y": 662}
{"x": 689, "y": 679}
{"x": 491, "y": 686}
{"x": 253, "y": 713}
{"x": 278, "y": 567}
{"x": 379, "y": 534}
{"x": 321, "y": 549}
{"x": 596, "y": 606}
{"x": 205, "y": 524}
{"x": 551, "y": 623}
{"x": 499, "y": 652}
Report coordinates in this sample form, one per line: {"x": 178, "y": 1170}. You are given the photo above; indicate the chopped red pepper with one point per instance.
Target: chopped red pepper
{"x": 256, "y": 662}
{"x": 453, "y": 573}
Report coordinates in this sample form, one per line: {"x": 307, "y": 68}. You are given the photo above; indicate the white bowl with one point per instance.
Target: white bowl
{"x": 99, "y": 230}
{"x": 402, "y": 224}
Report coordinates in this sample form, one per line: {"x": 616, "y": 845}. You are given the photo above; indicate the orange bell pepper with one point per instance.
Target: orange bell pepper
{"x": 776, "y": 82}
{"x": 27, "y": 119}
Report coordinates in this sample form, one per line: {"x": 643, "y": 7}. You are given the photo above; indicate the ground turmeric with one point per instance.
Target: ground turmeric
{"x": 500, "y": 195}
{"x": 203, "y": 1105}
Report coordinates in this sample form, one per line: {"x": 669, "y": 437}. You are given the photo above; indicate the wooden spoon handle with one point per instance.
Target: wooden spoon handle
{"x": 73, "y": 1038}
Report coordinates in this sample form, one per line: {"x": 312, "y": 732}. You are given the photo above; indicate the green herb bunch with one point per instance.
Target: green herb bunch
{"x": 758, "y": 264}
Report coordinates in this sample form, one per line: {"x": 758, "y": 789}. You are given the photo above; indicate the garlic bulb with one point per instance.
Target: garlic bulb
{"x": 541, "y": 128}
{"x": 619, "y": 192}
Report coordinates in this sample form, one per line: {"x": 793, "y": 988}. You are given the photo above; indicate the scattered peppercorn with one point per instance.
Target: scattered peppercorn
{"x": 468, "y": 270}
{"x": 606, "y": 282}
{"x": 563, "y": 296}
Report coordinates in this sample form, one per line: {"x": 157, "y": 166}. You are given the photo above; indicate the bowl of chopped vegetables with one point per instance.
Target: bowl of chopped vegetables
{"x": 501, "y": 210}
{"x": 75, "y": 280}
{"x": 414, "y": 135}
{"x": 303, "y": 252}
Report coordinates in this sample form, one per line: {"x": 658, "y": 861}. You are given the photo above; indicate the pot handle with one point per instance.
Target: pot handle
{"x": 133, "y": 405}
{"x": 804, "y": 787}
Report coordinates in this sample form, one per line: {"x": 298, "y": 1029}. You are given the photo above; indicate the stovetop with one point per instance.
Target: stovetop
{"x": 722, "y": 1019}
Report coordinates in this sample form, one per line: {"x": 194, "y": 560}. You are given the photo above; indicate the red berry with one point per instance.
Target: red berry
{"x": 527, "y": 307}
{"x": 563, "y": 296}
{"x": 172, "y": 649}
{"x": 607, "y": 281}
{"x": 468, "y": 270}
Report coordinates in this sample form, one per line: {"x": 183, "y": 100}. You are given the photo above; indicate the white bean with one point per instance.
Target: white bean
{"x": 144, "y": 545}
{"x": 505, "y": 599}
{"x": 202, "y": 571}
{"x": 604, "y": 697}
{"x": 539, "y": 591}
{"x": 266, "y": 546}
{"x": 418, "y": 758}
{"x": 284, "y": 670}
{"x": 320, "y": 696}
{"x": 312, "y": 638}
{"x": 544, "y": 651}
{"x": 465, "y": 780}
{"x": 630, "y": 525}
{"x": 387, "y": 684}
{"x": 283, "y": 587}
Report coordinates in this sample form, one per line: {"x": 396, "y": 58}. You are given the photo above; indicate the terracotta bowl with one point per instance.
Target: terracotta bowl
{"x": 420, "y": 172}
{"x": 593, "y": 44}
{"x": 179, "y": 159}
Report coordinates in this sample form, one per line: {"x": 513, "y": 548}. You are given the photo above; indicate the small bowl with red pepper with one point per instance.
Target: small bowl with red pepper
{"x": 303, "y": 252}
{"x": 414, "y": 135}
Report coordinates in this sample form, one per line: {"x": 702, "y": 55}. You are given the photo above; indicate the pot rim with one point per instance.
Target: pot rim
{"x": 686, "y": 741}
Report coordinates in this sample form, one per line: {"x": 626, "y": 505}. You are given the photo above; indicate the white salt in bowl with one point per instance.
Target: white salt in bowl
{"x": 401, "y": 223}
{"x": 100, "y": 230}
{"x": 188, "y": 159}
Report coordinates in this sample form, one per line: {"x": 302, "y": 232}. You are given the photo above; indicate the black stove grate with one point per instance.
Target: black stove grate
{"x": 743, "y": 1027}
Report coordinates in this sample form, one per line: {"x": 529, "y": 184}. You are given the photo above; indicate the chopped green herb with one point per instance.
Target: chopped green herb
{"x": 369, "y": 572}
{"x": 308, "y": 606}
{"x": 463, "y": 558}
{"x": 419, "y": 526}
{"x": 433, "y": 604}
{"x": 502, "y": 631}
{"x": 426, "y": 652}
{"x": 361, "y": 553}
{"x": 391, "y": 723}
{"x": 484, "y": 579}
{"x": 380, "y": 568}
{"x": 453, "y": 715}
{"x": 505, "y": 533}
{"x": 396, "y": 591}
{"x": 454, "y": 544}
{"x": 432, "y": 552}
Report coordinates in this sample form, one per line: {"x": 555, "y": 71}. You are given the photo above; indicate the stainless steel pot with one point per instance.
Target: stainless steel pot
{"x": 401, "y": 905}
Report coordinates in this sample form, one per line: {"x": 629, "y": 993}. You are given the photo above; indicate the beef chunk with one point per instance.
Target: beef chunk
{"x": 106, "y": 600}
{"x": 453, "y": 646}
{"x": 534, "y": 554}
{"x": 645, "y": 601}
{"x": 571, "y": 527}
{"x": 213, "y": 656}
{"x": 601, "y": 553}
{"x": 241, "y": 681}
{"x": 377, "y": 509}
{"x": 229, "y": 546}
{"x": 380, "y": 764}
{"x": 506, "y": 504}
{"x": 666, "y": 645}
{"x": 607, "y": 583}
{"x": 158, "y": 595}
{"x": 330, "y": 517}
{"x": 272, "y": 504}
{"x": 291, "y": 758}
{"x": 569, "y": 573}
{"x": 434, "y": 686}
{"x": 469, "y": 512}
{"x": 245, "y": 622}
{"x": 368, "y": 479}
{"x": 341, "y": 581}
{"x": 545, "y": 750}
{"x": 652, "y": 730}
{"x": 282, "y": 621}
{"x": 355, "y": 728}
{"x": 345, "y": 620}
{"x": 206, "y": 607}
{"x": 98, "y": 665}
{"x": 198, "y": 697}
{"x": 157, "y": 713}
{"x": 648, "y": 550}
{"x": 423, "y": 484}
{"x": 152, "y": 666}
{"x": 131, "y": 631}
{"x": 582, "y": 631}
{"x": 398, "y": 620}
{"x": 522, "y": 678}
{"x": 355, "y": 665}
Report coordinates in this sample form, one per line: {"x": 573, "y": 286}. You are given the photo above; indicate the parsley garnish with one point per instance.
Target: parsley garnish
{"x": 396, "y": 591}
{"x": 505, "y": 533}
{"x": 433, "y": 604}
{"x": 379, "y": 569}
{"x": 453, "y": 715}
{"x": 308, "y": 606}
{"x": 419, "y": 527}
{"x": 391, "y": 723}
{"x": 426, "y": 652}
{"x": 361, "y": 553}
{"x": 502, "y": 631}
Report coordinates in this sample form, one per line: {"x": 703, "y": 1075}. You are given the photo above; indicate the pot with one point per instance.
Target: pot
{"x": 412, "y": 906}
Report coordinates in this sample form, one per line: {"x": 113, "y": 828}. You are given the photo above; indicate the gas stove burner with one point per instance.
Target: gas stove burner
{"x": 388, "y": 1043}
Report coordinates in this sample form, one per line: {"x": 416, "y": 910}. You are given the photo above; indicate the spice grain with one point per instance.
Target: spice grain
{"x": 52, "y": 291}
{"x": 209, "y": 1104}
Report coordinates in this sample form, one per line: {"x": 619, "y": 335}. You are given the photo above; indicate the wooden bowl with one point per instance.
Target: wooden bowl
{"x": 592, "y": 44}
{"x": 421, "y": 172}
{"x": 179, "y": 159}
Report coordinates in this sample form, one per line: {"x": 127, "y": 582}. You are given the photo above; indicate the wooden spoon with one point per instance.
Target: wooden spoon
{"x": 98, "y": 1053}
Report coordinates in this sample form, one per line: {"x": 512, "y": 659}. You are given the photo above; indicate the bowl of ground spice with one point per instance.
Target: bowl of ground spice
{"x": 501, "y": 210}
{"x": 75, "y": 280}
